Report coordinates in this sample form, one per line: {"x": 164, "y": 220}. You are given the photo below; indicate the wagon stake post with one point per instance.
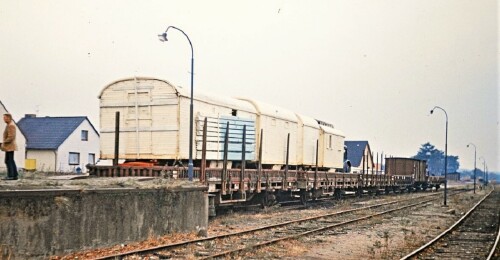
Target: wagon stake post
{"x": 316, "y": 168}
{"x": 203, "y": 170}
{"x": 224, "y": 165}
{"x": 259, "y": 166}
{"x": 285, "y": 180}
{"x": 117, "y": 138}
{"x": 243, "y": 161}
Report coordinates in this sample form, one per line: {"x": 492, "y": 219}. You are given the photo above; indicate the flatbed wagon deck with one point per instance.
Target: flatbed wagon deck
{"x": 236, "y": 185}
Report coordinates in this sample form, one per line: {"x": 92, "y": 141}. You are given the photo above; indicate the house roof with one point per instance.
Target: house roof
{"x": 355, "y": 150}
{"x": 48, "y": 133}
{"x": 5, "y": 109}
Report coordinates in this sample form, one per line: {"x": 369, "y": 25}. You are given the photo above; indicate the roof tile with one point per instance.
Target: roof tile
{"x": 48, "y": 133}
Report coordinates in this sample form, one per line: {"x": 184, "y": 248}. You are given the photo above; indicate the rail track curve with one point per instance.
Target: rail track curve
{"x": 474, "y": 236}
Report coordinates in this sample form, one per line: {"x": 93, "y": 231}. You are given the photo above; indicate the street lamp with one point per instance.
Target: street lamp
{"x": 163, "y": 38}
{"x": 487, "y": 178}
{"x": 474, "y": 165}
{"x": 445, "y": 154}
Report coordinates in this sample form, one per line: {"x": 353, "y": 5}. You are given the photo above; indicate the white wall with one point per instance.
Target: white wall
{"x": 45, "y": 159}
{"x": 74, "y": 144}
{"x": 19, "y": 155}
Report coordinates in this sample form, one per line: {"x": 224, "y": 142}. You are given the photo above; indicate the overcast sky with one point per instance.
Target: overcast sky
{"x": 374, "y": 69}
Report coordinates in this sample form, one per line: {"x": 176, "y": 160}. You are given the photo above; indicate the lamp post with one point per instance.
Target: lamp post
{"x": 445, "y": 154}
{"x": 163, "y": 38}
{"x": 487, "y": 178}
{"x": 474, "y": 165}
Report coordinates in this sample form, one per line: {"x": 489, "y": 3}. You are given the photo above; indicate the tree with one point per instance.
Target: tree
{"x": 453, "y": 163}
{"x": 435, "y": 159}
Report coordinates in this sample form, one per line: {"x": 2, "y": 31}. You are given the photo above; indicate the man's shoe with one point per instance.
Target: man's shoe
{"x": 7, "y": 179}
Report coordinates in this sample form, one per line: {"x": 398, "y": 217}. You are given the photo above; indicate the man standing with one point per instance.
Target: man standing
{"x": 9, "y": 146}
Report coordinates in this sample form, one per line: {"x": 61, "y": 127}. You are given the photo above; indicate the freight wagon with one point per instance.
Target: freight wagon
{"x": 244, "y": 150}
{"x": 412, "y": 169}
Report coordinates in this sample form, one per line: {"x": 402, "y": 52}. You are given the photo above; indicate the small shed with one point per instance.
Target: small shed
{"x": 453, "y": 176}
{"x": 360, "y": 155}
{"x": 20, "y": 141}
{"x": 60, "y": 144}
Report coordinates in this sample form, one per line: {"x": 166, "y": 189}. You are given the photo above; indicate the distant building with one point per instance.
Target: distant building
{"x": 360, "y": 156}
{"x": 60, "y": 144}
{"x": 20, "y": 141}
{"x": 453, "y": 176}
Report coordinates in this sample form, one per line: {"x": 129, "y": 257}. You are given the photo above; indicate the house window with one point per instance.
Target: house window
{"x": 234, "y": 112}
{"x": 85, "y": 135}
{"x": 330, "y": 145}
{"x": 92, "y": 158}
{"x": 74, "y": 158}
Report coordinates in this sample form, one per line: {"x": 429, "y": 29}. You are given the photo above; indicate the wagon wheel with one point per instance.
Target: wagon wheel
{"x": 268, "y": 200}
{"x": 359, "y": 192}
{"x": 338, "y": 194}
{"x": 303, "y": 198}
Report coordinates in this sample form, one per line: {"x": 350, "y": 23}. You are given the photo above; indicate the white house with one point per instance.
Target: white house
{"x": 60, "y": 144}
{"x": 20, "y": 141}
{"x": 360, "y": 155}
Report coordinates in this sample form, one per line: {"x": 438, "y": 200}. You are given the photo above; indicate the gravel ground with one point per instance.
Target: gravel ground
{"x": 378, "y": 238}
{"x": 247, "y": 220}
{"x": 30, "y": 181}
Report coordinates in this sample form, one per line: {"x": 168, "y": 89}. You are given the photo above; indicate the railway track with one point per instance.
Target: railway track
{"x": 234, "y": 243}
{"x": 474, "y": 236}
{"x": 297, "y": 205}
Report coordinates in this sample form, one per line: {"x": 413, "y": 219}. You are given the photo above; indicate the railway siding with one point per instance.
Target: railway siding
{"x": 472, "y": 237}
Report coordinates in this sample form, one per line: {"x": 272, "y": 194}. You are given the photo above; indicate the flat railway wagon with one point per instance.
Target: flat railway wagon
{"x": 413, "y": 170}
{"x": 244, "y": 150}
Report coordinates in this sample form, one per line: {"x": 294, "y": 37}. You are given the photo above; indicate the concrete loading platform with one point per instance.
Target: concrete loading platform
{"x": 39, "y": 219}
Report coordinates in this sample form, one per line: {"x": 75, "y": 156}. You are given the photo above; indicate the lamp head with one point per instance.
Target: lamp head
{"x": 467, "y": 146}
{"x": 163, "y": 37}
{"x": 432, "y": 111}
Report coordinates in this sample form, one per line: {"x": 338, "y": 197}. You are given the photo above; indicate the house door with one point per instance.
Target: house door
{"x": 91, "y": 158}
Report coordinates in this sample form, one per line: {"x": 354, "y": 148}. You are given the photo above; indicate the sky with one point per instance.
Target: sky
{"x": 374, "y": 69}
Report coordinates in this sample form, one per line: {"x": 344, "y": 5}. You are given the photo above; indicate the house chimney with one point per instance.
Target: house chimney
{"x": 30, "y": 115}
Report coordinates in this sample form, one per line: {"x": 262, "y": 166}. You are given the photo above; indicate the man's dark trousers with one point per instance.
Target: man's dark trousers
{"x": 11, "y": 165}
